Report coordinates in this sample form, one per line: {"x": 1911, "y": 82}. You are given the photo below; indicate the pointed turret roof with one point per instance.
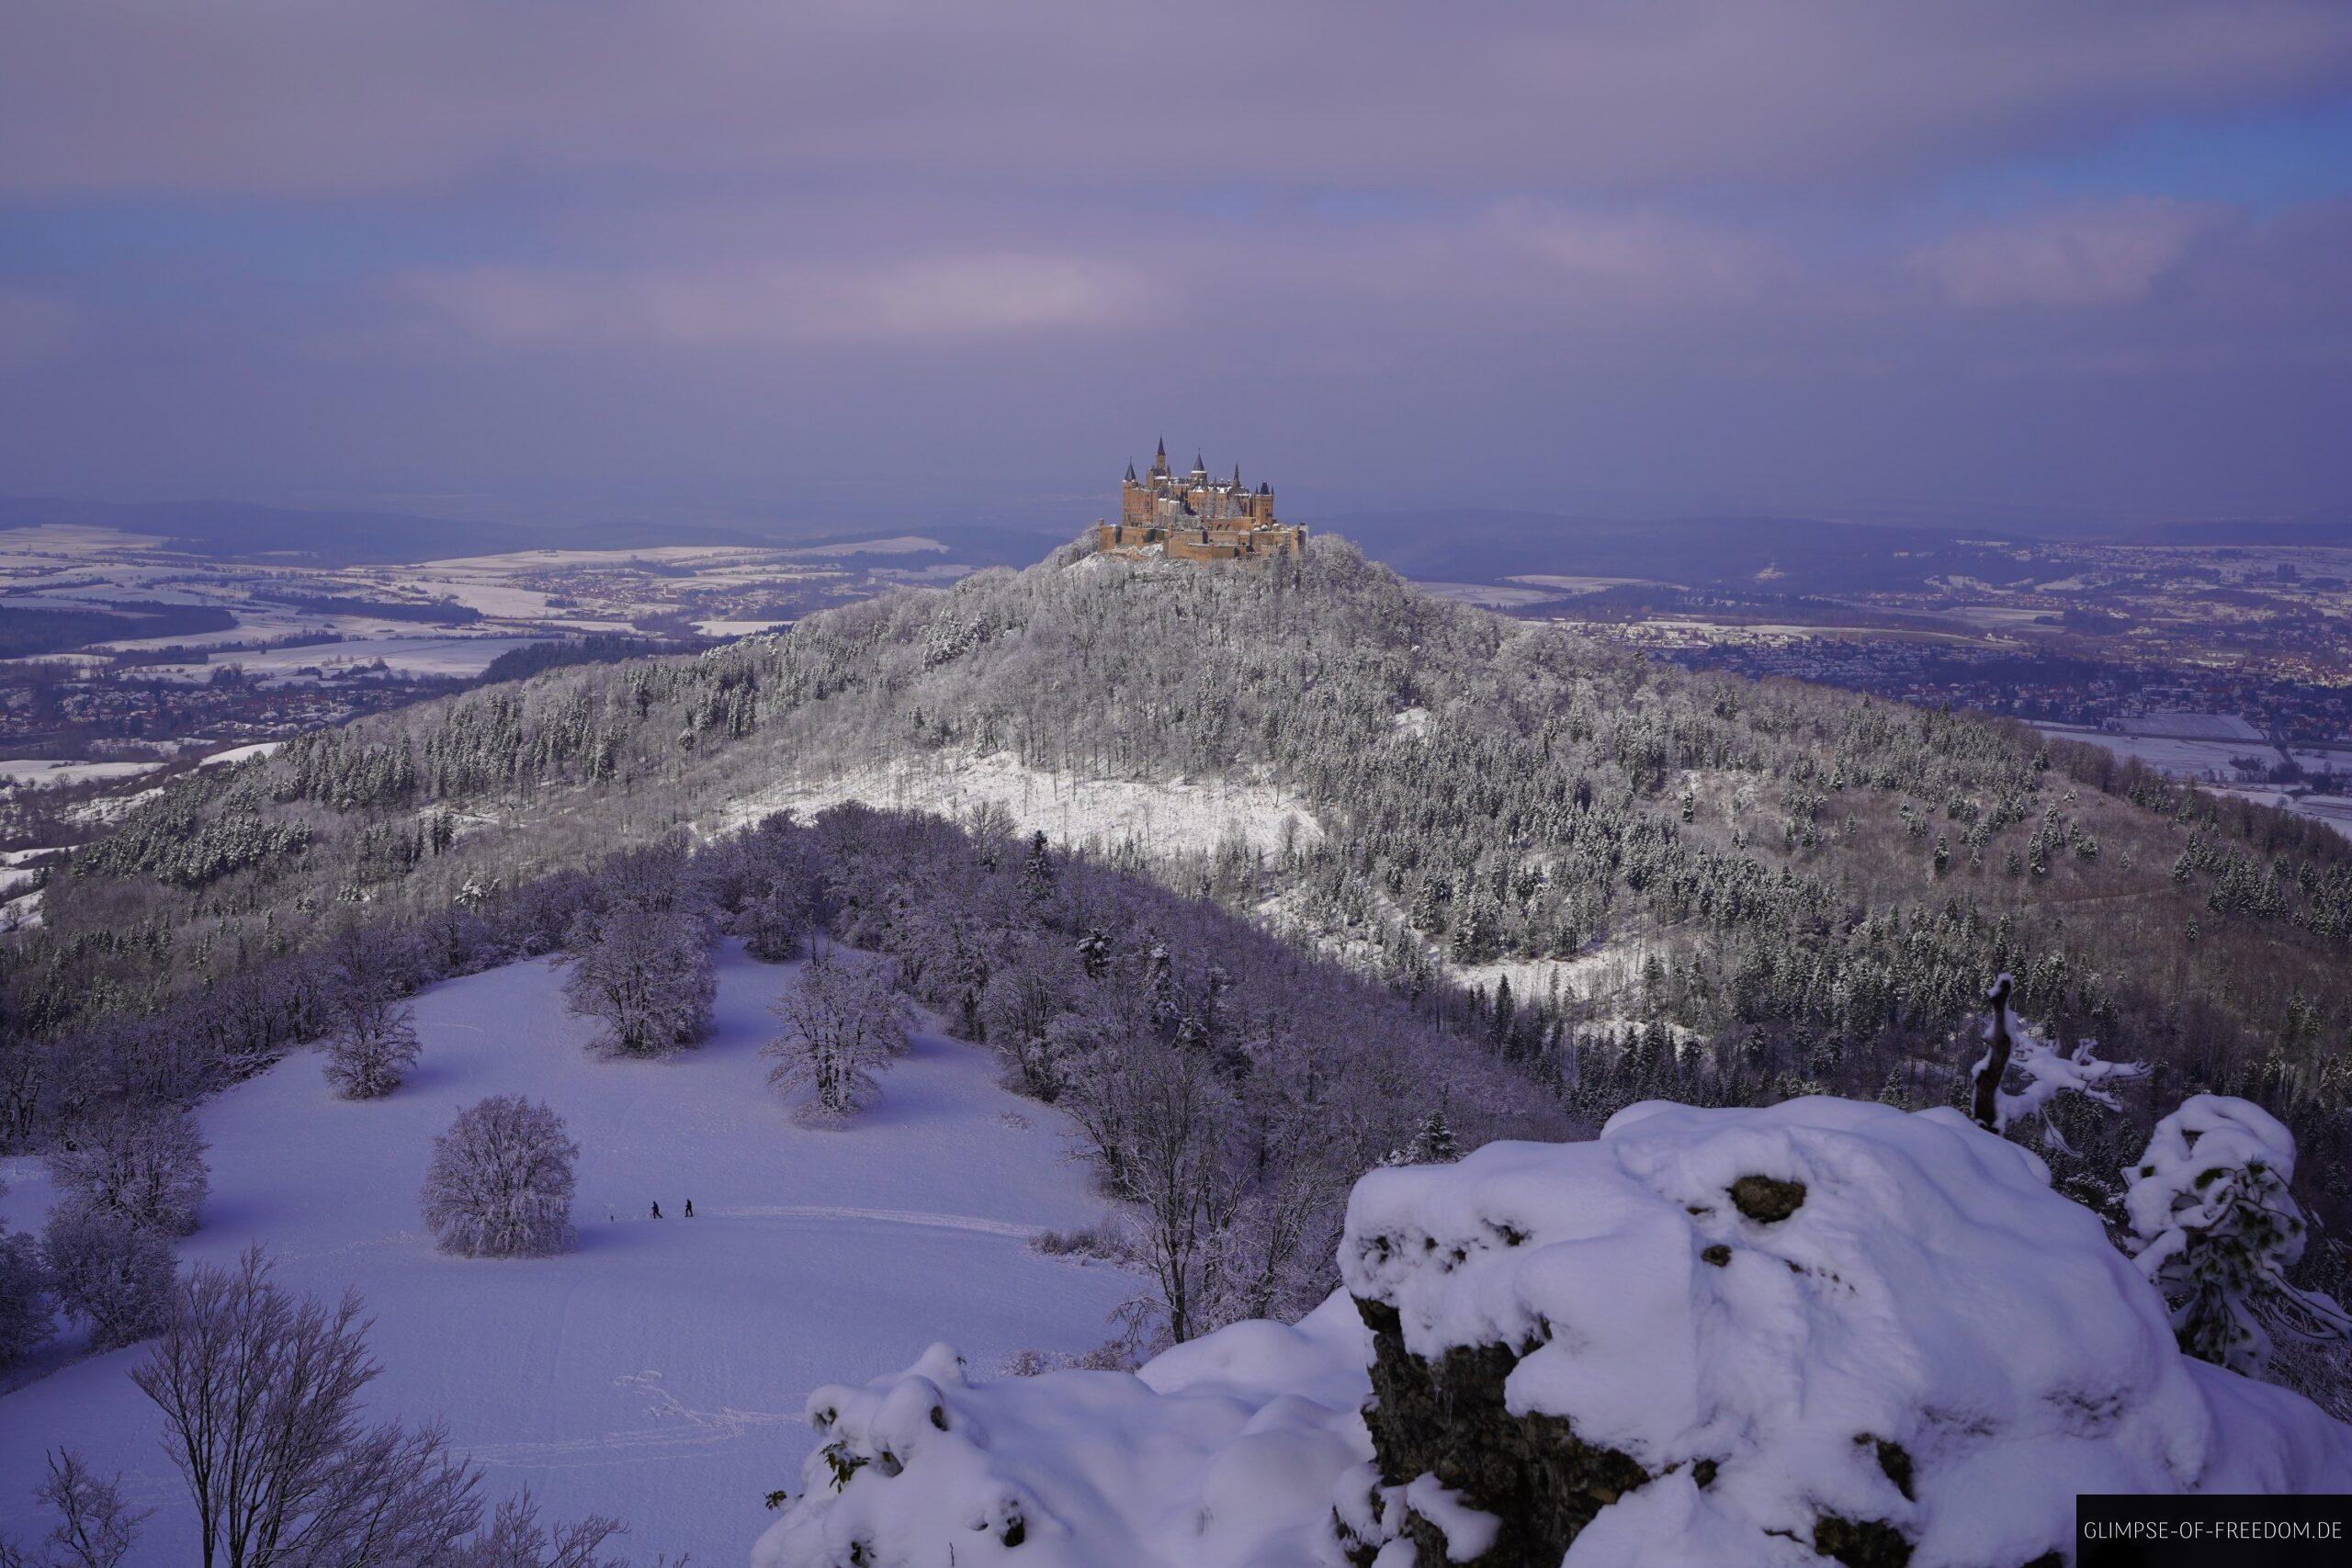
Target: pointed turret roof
{"x": 1131, "y": 473}
{"x": 1262, "y": 489}
{"x": 1198, "y": 466}
{"x": 1163, "y": 448}
{"x": 1237, "y": 476}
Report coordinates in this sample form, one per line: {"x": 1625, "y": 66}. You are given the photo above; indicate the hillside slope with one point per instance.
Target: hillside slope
{"x": 1813, "y": 885}
{"x": 658, "y": 1371}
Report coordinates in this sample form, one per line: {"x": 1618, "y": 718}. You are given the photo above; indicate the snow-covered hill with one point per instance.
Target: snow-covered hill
{"x": 659, "y": 1372}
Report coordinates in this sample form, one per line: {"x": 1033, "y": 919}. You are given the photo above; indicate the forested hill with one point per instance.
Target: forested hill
{"x": 1799, "y": 886}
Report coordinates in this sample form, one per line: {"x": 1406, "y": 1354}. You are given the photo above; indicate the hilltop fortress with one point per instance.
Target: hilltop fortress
{"x": 1193, "y": 517}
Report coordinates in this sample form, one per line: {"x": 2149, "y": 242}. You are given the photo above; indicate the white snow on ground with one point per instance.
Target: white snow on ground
{"x": 235, "y": 755}
{"x": 418, "y": 655}
{"x": 736, "y": 628}
{"x": 2179, "y": 758}
{"x": 21, "y": 913}
{"x": 1219, "y": 1454}
{"x": 1926, "y": 1289}
{"x": 898, "y": 544}
{"x": 1609, "y": 970}
{"x": 109, "y": 807}
{"x": 658, "y": 1373}
{"x": 40, "y": 772}
{"x": 1081, "y": 813}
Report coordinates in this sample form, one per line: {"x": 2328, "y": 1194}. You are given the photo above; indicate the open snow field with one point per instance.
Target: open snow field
{"x": 2181, "y": 758}
{"x": 1078, "y": 813}
{"x": 658, "y": 1371}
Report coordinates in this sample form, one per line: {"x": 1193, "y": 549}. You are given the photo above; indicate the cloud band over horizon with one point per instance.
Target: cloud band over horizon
{"x": 1795, "y": 254}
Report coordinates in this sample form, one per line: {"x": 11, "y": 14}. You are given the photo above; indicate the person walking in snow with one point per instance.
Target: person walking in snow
{"x": 690, "y": 1208}
{"x": 657, "y": 1208}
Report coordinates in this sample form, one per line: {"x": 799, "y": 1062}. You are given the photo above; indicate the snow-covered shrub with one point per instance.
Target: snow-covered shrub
{"x": 26, "y": 1310}
{"x": 1722, "y": 1338}
{"x": 145, "y": 1165}
{"x": 842, "y": 1019}
{"x": 373, "y": 1042}
{"x": 500, "y": 1182}
{"x": 2218, "y": 1231}
{"x": 114, "y": 1275}
{"x": 646, "y": 974}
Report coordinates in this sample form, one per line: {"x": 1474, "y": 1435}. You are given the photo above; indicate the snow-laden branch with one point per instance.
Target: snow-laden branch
{"x": 2013, "y": 1047}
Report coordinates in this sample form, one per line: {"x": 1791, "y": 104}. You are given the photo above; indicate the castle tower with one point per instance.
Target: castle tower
{"x": 1134, "y": 501}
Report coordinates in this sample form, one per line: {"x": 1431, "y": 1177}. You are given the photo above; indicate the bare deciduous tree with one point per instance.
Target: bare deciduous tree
{"x": 374, "y": 1042}
{"x": 260, "y": 1393}
{"x": 841, "y": 1021}
{"x": 516, "y": 1539}
{"x": 144, "y": 1165}
{"x": 644, "y": 974}
{"x": 114, "y": 1275}
{"x": 25, "y": 1303}
{"x": 94, "y": 1528}
{"x": 500, "y": 1182}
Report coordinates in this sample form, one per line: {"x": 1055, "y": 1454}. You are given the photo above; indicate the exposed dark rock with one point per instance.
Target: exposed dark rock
{"x": 1719, "y": 1255}
{"x": 1765, "y": 1198}
{"x": 1446, "y": 1418}
{"x": 1896, "y": 1462}
{"x": 1861, "y": 1544}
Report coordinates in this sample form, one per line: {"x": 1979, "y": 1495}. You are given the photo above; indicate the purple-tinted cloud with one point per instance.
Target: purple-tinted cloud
{"x": 1725, "y": 253}
{"x": 2108, "y": 254}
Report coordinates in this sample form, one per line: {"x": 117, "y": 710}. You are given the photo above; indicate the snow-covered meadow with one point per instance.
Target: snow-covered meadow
{"x": 658, "y": 1371}
{"x": 1177, "y": 817}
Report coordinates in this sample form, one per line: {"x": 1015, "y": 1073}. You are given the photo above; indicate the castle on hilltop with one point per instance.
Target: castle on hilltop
{"x": 1193, "y": 517}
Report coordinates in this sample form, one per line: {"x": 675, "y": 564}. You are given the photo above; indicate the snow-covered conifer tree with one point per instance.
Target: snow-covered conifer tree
{"x": 2218, "y": 1230}
{"x": 1434, "y": 1143}
{"x": 841, "y": 1021}
{"x": 500, "y": 1181}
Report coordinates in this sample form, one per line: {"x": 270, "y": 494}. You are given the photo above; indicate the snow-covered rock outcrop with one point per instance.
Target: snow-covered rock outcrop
{"x": 1821, "y": 1331}
{"x": 1219, "y": 1452}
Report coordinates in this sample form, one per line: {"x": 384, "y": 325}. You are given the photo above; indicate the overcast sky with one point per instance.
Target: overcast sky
{"x": 834, "y": 258}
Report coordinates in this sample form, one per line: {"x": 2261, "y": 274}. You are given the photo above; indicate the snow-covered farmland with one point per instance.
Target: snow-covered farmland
{"x": 1163, "y": 818}
{"x": 2182, "y": 759}
{"x": 659, "y": 1372}
{"x": 44, "y": 772}
{"x": 461, "y": 656}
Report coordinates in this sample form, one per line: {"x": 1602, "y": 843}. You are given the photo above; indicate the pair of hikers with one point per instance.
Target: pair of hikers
{"x": 690, "y": 1208}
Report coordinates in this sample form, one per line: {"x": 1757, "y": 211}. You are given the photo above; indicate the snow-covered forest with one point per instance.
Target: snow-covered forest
{"x": 1608, "y": 859}
{"x": 1517, "y": 883}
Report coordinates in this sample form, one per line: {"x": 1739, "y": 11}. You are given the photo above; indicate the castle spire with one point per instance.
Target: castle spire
{"x": 1237, "y": 476}
{"x": 1131, "y": 473}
